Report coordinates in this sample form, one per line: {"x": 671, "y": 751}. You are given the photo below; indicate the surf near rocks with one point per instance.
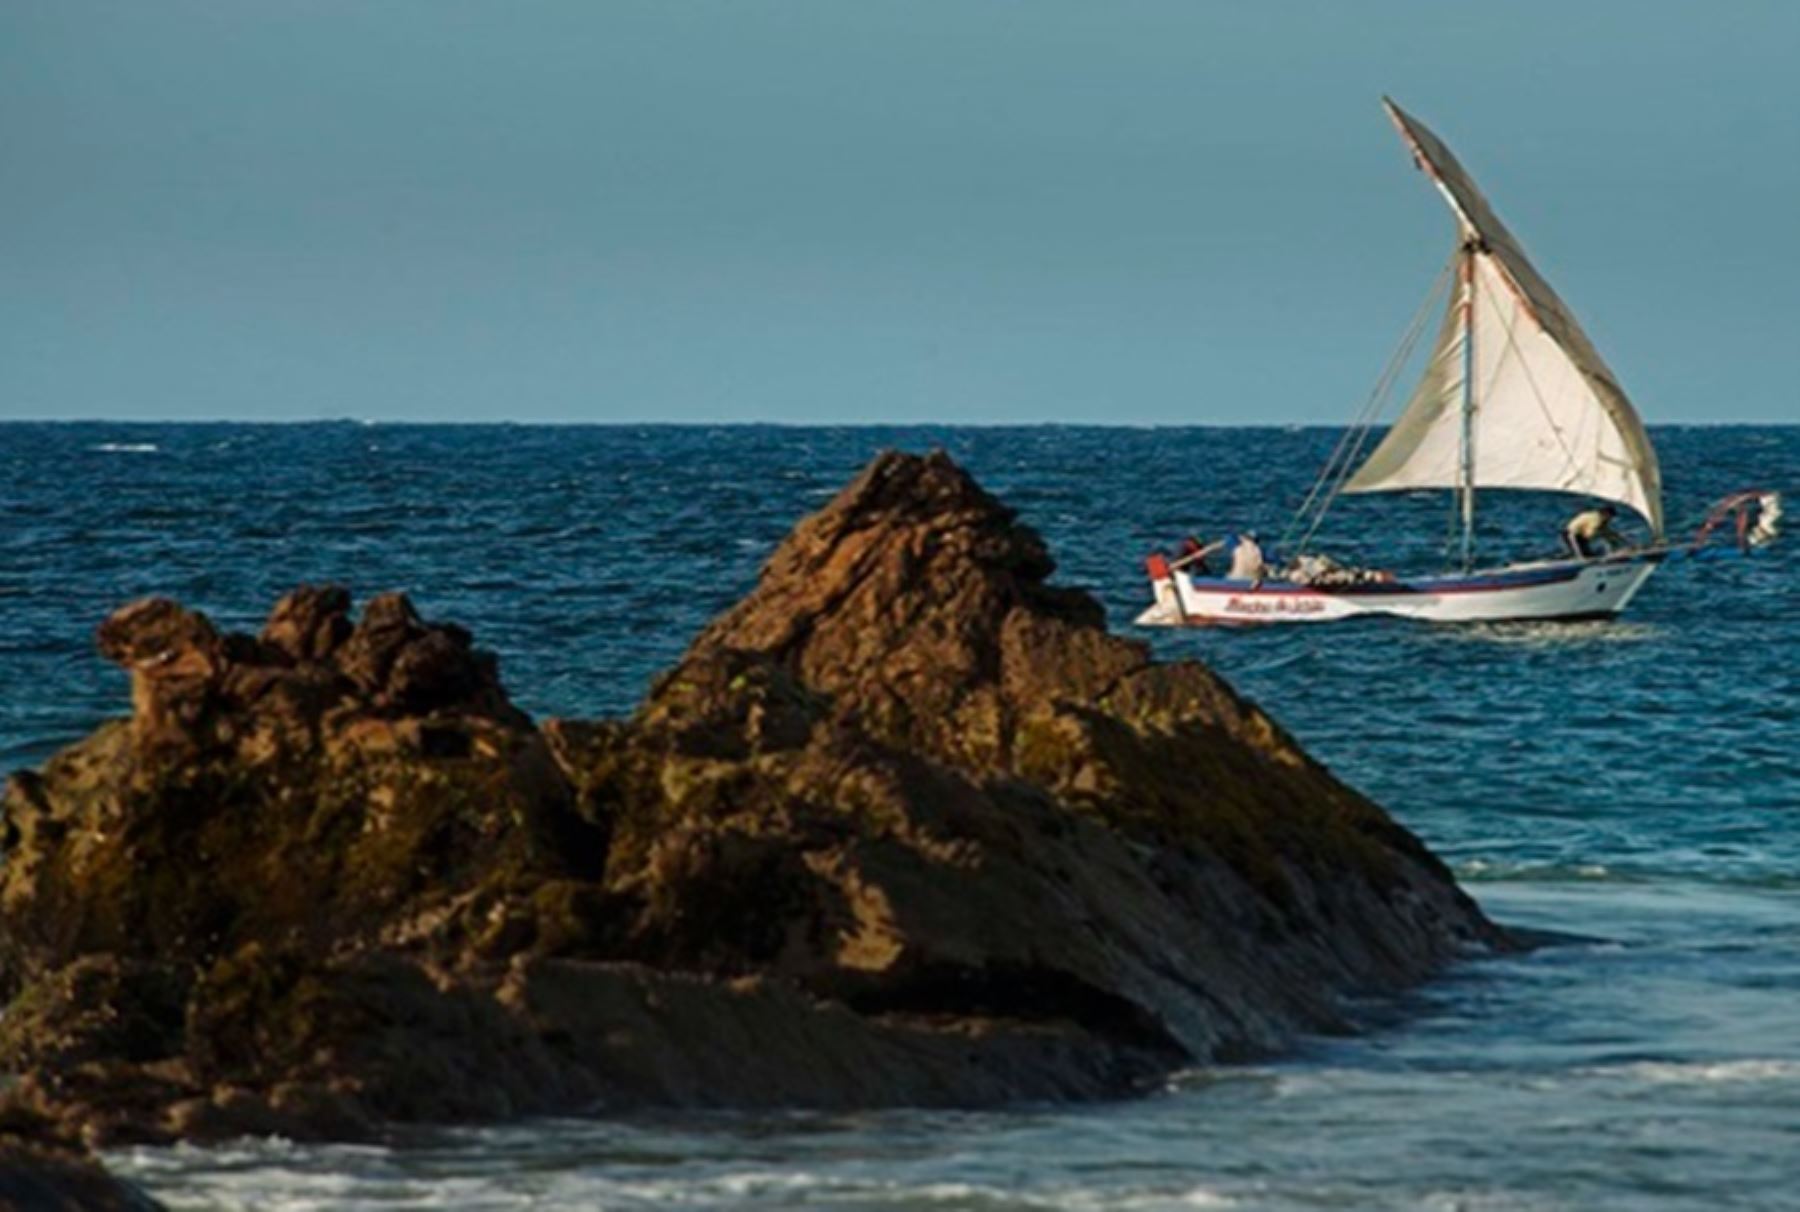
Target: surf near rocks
{"x": 904, "y": 826}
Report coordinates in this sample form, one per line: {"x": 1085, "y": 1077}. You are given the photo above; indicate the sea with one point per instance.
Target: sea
{"x": 1630, "y": 787}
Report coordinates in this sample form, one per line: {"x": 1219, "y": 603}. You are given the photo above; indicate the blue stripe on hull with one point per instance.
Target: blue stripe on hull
{"x": 1524, "y": 578}
{"x": 1422, "y": 585}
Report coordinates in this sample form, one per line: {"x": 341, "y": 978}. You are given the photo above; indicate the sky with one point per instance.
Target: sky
{"x": 854, "y": 211}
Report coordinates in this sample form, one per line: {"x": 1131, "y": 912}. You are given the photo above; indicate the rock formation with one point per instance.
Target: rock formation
{"x": 904, "y": 826}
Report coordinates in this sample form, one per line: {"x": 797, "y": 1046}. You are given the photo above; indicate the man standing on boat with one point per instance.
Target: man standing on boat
{"x": 1588, "y": 530}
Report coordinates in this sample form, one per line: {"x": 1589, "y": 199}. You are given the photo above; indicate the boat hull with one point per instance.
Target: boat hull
{"x": 1559, "y": 589}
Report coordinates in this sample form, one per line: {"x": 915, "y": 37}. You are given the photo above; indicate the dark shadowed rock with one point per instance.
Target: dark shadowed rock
{"x": 904, "y": 826}
{"x": 44, "y": 1176}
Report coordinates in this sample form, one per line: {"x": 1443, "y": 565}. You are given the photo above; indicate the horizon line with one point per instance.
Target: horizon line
{"x": 513, "y": 423}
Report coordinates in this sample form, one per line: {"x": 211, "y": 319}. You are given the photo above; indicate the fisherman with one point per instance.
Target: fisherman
{"x": 1194, "y": 553}
{"x": 1586, "y": 531}
{"x": 1247, "y": 560}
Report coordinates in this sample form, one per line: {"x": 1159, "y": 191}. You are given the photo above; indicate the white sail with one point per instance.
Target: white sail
{"x": 1547, "y": 414}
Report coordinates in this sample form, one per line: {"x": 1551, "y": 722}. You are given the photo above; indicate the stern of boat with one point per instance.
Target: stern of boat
{"x": 1165, "y": 606}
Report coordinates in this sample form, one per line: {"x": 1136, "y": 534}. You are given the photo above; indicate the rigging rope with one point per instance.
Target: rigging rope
{"x": 1348, "y": 450}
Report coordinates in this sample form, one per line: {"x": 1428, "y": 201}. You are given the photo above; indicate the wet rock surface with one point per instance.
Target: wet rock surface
{"x": 904, "y": 826}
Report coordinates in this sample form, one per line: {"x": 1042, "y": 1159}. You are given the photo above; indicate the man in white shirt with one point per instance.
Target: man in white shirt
{"x": 1247, "y": 559}
{"x": 1588, "y": 530}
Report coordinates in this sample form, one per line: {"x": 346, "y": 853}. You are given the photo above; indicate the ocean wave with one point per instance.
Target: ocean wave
{"x": 1476, "y": 870}
{"x": 1745, "y": 1070}
{"x": 291, "y": 1189}
{"x": 1672, "y": 868}
{"x": 1547, "y": 635}
{"x": 126, "y": 448}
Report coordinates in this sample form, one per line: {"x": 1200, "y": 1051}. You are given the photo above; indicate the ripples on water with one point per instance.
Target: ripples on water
{"x": 1634, "y": 783}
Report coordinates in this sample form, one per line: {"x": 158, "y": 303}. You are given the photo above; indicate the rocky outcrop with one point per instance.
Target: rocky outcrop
{"x": 39, "y": 1176}
{"x": 904, "y": 826}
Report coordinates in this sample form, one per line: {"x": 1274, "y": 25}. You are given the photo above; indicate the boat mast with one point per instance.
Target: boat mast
{"x": 1502, "y": 431}
{"x": 1465, "y": 487}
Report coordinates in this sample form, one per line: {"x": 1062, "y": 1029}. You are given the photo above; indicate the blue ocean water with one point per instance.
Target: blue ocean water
{"x": 1635, "y": 783}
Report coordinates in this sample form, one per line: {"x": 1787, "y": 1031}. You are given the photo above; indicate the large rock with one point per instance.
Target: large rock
{"x": 905, "y": 826}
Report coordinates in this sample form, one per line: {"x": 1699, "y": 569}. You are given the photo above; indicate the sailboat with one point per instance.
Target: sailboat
{"x": 1513, "y": 395}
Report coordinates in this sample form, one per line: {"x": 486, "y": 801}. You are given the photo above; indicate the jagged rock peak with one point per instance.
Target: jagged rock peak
{"x": 311, "y": 659}
{"x": 912, "y": 537}
{"x": 917, "y": 605}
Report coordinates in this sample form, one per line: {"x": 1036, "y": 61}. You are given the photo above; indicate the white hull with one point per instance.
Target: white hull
{"x": 1558, "y": 589}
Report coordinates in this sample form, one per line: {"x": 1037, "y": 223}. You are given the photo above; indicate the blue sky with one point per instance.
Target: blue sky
{"x": 842, "y": 211}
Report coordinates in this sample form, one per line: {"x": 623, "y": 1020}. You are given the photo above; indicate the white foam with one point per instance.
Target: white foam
{"x": 1550, "y": 635}
{"x": 126, "y": 447}
{"x": 1492, "y": 869}
{"x": 1202, "y": 1197}
{"x": 1114, "y": 1201}
{"x": 762, "y": 1182}
{"x": 1749, "y": 1069}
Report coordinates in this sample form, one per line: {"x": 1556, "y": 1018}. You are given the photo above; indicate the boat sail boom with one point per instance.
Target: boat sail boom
{"x": 1514, "y": 395}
